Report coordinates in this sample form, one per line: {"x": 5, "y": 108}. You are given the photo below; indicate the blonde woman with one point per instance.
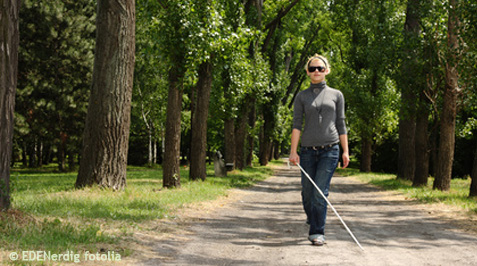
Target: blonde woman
{"x": 322, "y": 109}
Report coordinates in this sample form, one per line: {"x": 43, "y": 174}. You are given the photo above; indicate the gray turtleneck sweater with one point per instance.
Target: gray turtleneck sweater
{"x": 323, "y": 109}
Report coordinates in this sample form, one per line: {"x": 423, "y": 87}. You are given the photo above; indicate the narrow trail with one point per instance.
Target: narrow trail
{"x": 265, "y": 225}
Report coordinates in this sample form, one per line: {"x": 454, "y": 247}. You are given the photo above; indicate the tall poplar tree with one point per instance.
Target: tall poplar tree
{"x": 174, "y": 34}
{"x": 451, "y": 93}
{"x": 106, "y": 135}
{"x": 201, "y": 95}
{"x": 9, "y": 39}
{"x": 409, "y": 84}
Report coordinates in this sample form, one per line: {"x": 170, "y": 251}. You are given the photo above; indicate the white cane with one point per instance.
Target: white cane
{"x": 329, "y": 203}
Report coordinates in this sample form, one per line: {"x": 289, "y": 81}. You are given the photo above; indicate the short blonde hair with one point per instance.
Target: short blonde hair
{"x": 319, "y": 57}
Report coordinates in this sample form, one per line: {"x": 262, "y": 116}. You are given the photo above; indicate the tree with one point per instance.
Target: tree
{"x": 106, "y": 135}
{"x": 473, "y": 185}
{"x": 270, "y": 104}
{"x": 173, "y": 33}
{"x": 253, "y": 19}
{"x": 449, "y": 111}
{"x": 469, "y": 76}
{"x": 365, "y": 71}
{"x": 199, "y": 122}
{"x": 9, "y": 39}
{"x": 233, "y": 80}
{"x": 206, "y": 12}
{"x": 149, "y": 92}
{"x": 55, "y": 65}
{"x": 409, "y": 83}
{"x": 428, "y": 93}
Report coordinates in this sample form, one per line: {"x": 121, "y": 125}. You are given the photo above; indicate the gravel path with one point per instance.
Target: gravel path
{"x": 265, "y": 225}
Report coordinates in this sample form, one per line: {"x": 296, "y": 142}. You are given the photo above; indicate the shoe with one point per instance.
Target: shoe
{"x": 317, "y": 240}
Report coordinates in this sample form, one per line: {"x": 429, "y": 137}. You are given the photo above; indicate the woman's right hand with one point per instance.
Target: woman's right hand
{"x": 294, "y": 158}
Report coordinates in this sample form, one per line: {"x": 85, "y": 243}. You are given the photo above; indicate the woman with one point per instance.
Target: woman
{"x": 322, "y": 108}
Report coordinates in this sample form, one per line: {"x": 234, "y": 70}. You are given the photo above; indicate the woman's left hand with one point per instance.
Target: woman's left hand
{"x": 345, "y": 157}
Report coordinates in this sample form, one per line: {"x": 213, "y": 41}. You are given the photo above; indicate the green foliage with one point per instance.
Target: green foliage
{"x": 364, "y": 41}
{"x": 365, "y": 68}
{"x": 55, "y": 65}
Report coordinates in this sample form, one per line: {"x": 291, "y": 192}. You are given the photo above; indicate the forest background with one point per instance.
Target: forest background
{"x": 221, "y": 75}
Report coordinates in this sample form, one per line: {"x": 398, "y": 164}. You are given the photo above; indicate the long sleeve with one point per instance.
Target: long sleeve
{"x": 340, "y": 116}
{"x": 298, "y": 113}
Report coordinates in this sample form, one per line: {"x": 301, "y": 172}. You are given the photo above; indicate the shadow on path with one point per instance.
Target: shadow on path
{"x": 267, "y": 227}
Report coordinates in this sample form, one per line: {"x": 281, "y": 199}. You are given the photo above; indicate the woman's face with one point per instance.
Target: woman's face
{"x": 317, "y": 76}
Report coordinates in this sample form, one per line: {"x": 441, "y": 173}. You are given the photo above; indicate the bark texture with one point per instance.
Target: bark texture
{"x": 9, "y": 39}
{"x": 410, "y": 77}
{"x": 106, "y": 135}
{"x": 199, "y": 123}
{"x": 445, "y": 157}
{"x": 421, "y": 173}
{"x": 366, "y": 154}
{"x": 172, "y": 141}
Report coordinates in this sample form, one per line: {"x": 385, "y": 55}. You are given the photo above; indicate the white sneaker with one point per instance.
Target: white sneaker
{"x": 317, "y": 240}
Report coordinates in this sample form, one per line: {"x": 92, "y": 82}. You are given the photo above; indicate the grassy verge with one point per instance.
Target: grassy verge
{"x": 49, "y": 214}
{"x": 457, "y": 196}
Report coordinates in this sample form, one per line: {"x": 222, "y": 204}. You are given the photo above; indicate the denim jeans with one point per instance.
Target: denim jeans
{"x": 320, "y": 166}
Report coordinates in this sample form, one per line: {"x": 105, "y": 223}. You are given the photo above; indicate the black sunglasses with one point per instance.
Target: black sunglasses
{"x": 313, "y": 69}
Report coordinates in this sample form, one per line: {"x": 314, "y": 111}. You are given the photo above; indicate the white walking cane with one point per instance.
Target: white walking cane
{"x": 329, "y": 203}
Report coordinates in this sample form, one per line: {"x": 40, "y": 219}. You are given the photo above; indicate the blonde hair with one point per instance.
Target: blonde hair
{"x": 320, "y": 57}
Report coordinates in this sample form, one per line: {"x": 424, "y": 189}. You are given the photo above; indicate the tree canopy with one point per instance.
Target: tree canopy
{"x": 256, "y": 51}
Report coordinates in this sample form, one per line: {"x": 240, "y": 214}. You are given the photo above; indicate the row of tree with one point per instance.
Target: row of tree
{"x": 229, "y": 71}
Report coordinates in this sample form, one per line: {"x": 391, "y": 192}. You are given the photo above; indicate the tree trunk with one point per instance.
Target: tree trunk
{"x": 276, "y": 150}
{"x": 269, "y": 111}
{"x": 449, "y": 111}
{"x": 422, "y": 150}
{"x": 9, "y": 39}
{"x": 410, "y": 77}
{"x": 265, "y": 142}
{"x": 473, "y": 185}
{"x": 24, "y": 155}
{"x": 172, "y": 142}
{"x": 445, "y": 157}
{"x": 229, "y": 124}
{"x": 61, "y": 152}
{"x": 106, "y": 135}
{"x": 199, "y": 123}
{"x": 407, "y": 128}
{"x": 229, "y": 129}
{"x": 252, "y": 118}
{"x": 366, "y": 154}
{"x": 39, "y": 153}
{"x": 241, "y": 133}
{"x": 71, "y": 161}
{"x": 154, "y": 152}
{"x": 150, "y": 155}
{"x": 433, "y": 152}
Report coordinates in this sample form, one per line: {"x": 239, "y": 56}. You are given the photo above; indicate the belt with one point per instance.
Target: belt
{"x": 320, "y": 147}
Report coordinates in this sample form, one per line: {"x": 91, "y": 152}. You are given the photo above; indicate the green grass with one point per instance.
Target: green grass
{"x": 457, "y": 196}
{"x": 53, "y": 235}
{"x": 48, "y": 213}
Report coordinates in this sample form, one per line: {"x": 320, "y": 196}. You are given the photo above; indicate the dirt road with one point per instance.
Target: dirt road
{"x": 265, "y": 225}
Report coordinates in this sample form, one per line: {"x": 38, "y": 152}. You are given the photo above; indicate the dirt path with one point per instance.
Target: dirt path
{"x": 265, "y": 225}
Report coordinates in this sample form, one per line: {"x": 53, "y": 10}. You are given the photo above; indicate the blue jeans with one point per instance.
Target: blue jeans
{"x": 320, "y": 166}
